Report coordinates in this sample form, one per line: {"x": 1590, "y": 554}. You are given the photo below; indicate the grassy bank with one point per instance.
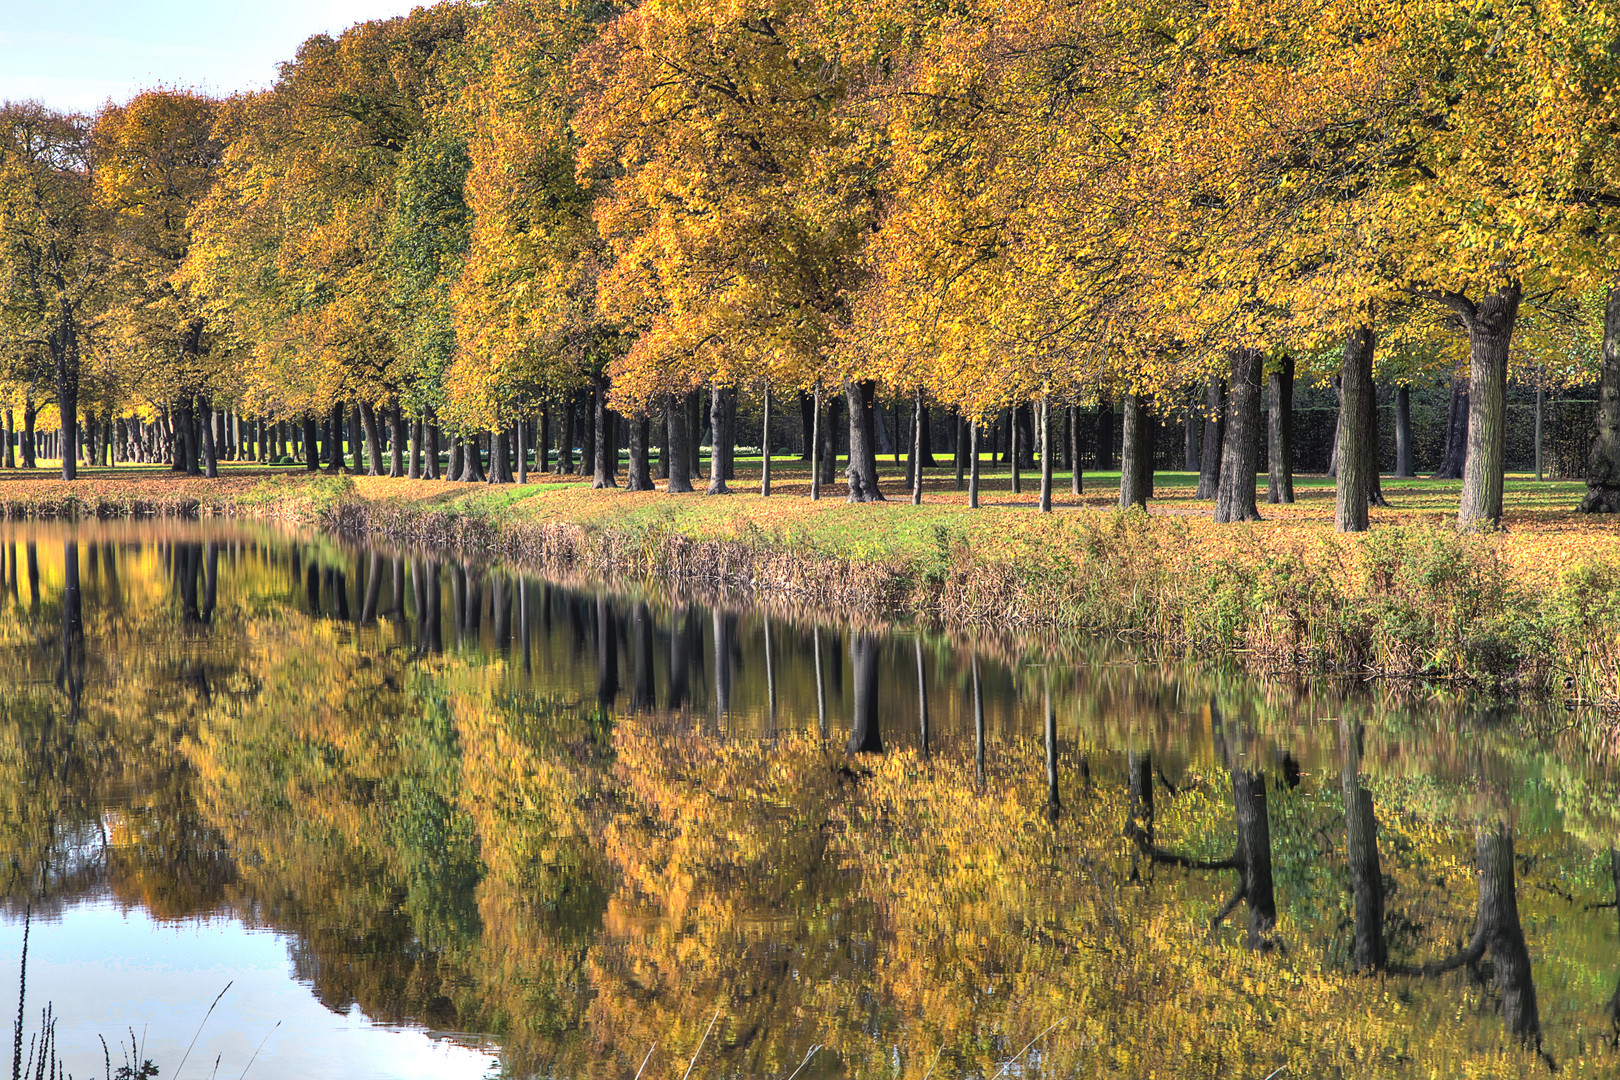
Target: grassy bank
{"x": 1534, "y": 607}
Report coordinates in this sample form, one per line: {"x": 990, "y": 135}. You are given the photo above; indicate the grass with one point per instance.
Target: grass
{"x": 1535, "y": 605}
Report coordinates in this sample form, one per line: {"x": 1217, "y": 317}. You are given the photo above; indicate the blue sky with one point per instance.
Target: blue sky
{"x": 76, "y": 54}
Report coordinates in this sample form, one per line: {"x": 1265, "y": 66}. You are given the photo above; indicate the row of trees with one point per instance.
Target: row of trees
{"x": 456, "y": 218}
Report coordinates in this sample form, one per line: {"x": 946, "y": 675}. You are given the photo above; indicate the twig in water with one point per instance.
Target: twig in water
{"x": 808, "y": 1055}
{"x": 931, "y": 1064}
{"x": 194, "y": 1038}
{"x": 1009, "y": 1062}
{"x": 701, "y": 1041}
{"x": 262, "y": 1041}
{"x": 1277, "y": 1072}
{"x": 646, "y": 1059}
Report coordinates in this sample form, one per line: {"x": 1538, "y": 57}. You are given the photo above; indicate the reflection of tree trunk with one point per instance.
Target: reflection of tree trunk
{"x": 978, "y": 723}
{"x": 71, "y": 677}
{"x": 210, "y": 580}
{"x": 312, "y": 589}
{"x": 641, "y": 697}
{"x": 501, "y": 612}
{"x": 607, "y": 654}
{"x": 1254, "y": 854}
{"x": 1209, "y": 472}
{"x": 523, "y": 620}
{"x": 1139, "y": 783}
{"x": 434, "y": 629}
{"x": 770, "y": 677}
{"x": 680, "y": 663}
{"x": 1361, "y": 847}
{"x": 1499, "y": 911}
{"x": 1613, "y": 1009}
{"x": 922, "y": 700}
{"x": 1497, "y": 930}
{"x": 368, "y": 607}
{"x": 865, "y": 732}
{"x": 724, "y": 628}
{"x": 1053, "y": 804}
{"x": 821, "y": 683}
{"x": 340, "y": 594}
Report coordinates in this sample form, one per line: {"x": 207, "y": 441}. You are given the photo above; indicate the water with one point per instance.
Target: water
{"x": 429, "y": 818}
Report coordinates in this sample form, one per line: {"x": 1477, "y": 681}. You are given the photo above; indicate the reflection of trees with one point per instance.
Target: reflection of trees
{"x": 452, "y": 843}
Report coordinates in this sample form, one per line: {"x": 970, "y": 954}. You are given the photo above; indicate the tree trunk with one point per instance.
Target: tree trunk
{"x": 472, "y": 459}
{"x": 765, "y": 447}
{"x": 1046, "y": 454}
{"x": 973, "y": 466}
{"x": 1361, "y": 852}
{"x": 1234, "y": 495}
{"x": 718, "y": 435}
{"x": 565, "y": 439}
{"x": 1135, "y": 463}
{"x": 312, "y": 460}
{"x": 357, "y": 442}
{"x": 1456, "y": 448}
{"x": 1541, "y": 406}
{"x": 414, "y": 469}
{"x": 1603, "y": 457}
{"x": 185, "y": 430}
{"x": 500, "y": 455}
{"x": 959, "y": 447}
{"x": 542, "y": 444}
{"x": 1215, "y": 420}
{"x": 694, "y": 433}
{"x": 1076, "y": 471}
{"x": 1190, "y": 428}
{"x": 807, "y": 425}
{"x": 587, "y": 434}
{"x": 607, "y": 438}
{"x": 210, "y": 447}
{"x": 430, "y": 461}
{"x": 814, "y": 443}
{"x": 1105, "y": 435}
{"x": 918, "y": 426}
{"x": 865, "y": 731}
{"x": 639, "y": 477}
{"x": 1375, "y": 483}
{"x": 1280, "y": 434}
{"x": 1353, "y": 489}
{"x": 1490, "y": 331}
{"x": 680, "y": 480}
{"x": 1015, "y": 453}
{"x": 830, "y": 429}
{"x": 396, "y": 441}
{"x": 1403, "y": 431}
{"x": 368, "y": 425}
{"x": 862, "y": 470}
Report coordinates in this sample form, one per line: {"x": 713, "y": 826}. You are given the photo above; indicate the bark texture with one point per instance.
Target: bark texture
{"x": 1280, "y": 434}
{"x": 1133, "y": 449}
{"x": 680, "y": 479}
{"x": 1215, "y": 420}
{"x": 1490, "y": 331}
{"x": 862, "y": 470}
{"x": 1352, "y": 491}
{"x": 1235, "y": 495}
{"x": 1603, "y": 457}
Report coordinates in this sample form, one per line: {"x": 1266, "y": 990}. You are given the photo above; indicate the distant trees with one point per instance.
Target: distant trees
{"x": 528, "y": 223}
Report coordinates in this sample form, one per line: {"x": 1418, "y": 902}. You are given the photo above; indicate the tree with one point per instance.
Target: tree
{"x": 54, "y": 261}
{"x": 156, "y": 160}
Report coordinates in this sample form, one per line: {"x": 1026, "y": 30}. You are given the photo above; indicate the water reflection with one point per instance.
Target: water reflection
{"x": 582, "y": 823}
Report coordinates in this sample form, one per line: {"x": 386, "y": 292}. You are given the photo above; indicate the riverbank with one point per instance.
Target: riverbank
{"x": 1534, "y": 607}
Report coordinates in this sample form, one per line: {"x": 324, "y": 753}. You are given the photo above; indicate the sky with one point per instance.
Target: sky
{"x": 76, "y": 54}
